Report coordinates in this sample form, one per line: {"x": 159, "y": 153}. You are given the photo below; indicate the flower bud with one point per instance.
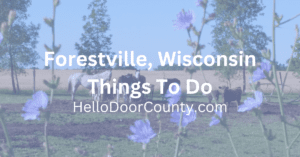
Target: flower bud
{"x": 266, "y": 54}
{"x": 234, "y": 22}
{"x": 158, "y": 116}
{"x": 227, "y": 24}
{"x": 56, "y": 3}
{"x": 212, "y": 16}
{"x": 11, "y": 17}
{"x": 202, "y": 3}
{"x": 189, "y": 42}
{"x": 48, "y": 21}
{"x": 4, "y": 29}
{"x": 240, "y": 30}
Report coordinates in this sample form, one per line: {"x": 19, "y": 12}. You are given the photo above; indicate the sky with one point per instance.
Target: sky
{"x": 146, "y": 27}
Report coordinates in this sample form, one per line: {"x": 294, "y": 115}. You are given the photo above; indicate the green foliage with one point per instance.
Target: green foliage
{"x": 280, "y": 67}
{"x": 227, "y": 73}
{"x": 95, "y": 40}
{"x": 295, "y": 63}
{"x": 251, "y": 38}
{"x": 117, "y": 67}
{"x": 54, "y": 84}
{"x": 17, "y": 50}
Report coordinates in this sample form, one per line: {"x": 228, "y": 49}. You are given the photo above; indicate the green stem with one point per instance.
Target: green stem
{"x": 51, "y": 96}
{"x": 144, "y": 148}
{"x": 158, "y": 136}
{"x": 281, "y": 23}
{"x": 10, "y": 151}
{"x": 298, "y": 135}
{"x": 288, "y": 68}
{"x": 53, "y": 48}
{"x": 46, "y": 138}
{"x": 178, "y": 136}
{"x": 267, "y": 141}
{"x": 277, "y": 87}
{"x": 230, "y": 138}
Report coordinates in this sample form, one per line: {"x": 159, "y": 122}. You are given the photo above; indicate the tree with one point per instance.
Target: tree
{"x": 227, "y": 73}
{"x": 17, "y": 51}
{"x": 254, "y": 39}
{"x": 95, "y": 40}
{"x": 123, "y": 67}
{"x": 295, "y": 62}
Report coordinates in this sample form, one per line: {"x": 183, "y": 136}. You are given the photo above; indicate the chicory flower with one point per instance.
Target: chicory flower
{"x": 32, "y": 106}
{"x": 251, "y": 103}
{"x": 142, "y": 132}
{"x": 187, "y": 117}
{"x": 184, "y": 20}
{"x": 214, "y": 120}
{"x": 258, "y": 74}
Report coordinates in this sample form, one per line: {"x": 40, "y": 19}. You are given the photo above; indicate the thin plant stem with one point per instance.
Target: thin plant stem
{"x": 46, "y": 138}
{"x": 288, "y": 68}
{"x": 230, "y": 138}
{"x": 54, "y": 49}
{"x": 198, "y": 44}
{"x": 145, "y": 148}
{"x": 298, "y": 135}
{"x": 277, "y": 86}
{"x": 158, "y": 136}
{"x": 51, "y": 96}
{"x": 178, "y": 136}
{"x": 2, "y": 121}
{"x": 267, "y": 141}
{"x": 288, "y": 20}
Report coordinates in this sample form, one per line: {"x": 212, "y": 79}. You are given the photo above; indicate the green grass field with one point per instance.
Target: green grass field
{"x": 113, "y": 128}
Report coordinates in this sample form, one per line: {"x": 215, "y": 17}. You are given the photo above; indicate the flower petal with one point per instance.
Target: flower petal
{"x": 41, "y": 99}
{"x": 142, "y": 131}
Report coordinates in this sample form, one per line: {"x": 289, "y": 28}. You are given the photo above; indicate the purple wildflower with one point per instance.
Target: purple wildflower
{"x": 214, "y": 120}
{"x": 251, "y": 103}
{"x": 187, "y": 117}
{"x": 142, "y": 132}
{"x": 266, "y": 66}
{"x": 184, "y": 20}
{"x": 258, "y": 74}
{"x": 32, "y": 106}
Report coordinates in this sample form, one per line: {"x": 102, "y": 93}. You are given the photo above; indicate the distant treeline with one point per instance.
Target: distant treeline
{"x": 175, "y": 67}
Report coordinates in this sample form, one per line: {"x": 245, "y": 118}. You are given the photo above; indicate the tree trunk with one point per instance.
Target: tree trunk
{"x": 18, "y": 88}
{"x": 12, "y": 72}
{"x": 244, "y": 77}
{"x": 33, "y": 79}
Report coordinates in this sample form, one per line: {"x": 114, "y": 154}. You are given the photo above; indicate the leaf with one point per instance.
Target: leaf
{"x": 52, "y": 85}
{"x": 57, "y": 82}
{"x": 57, "y": 48}
{"x": 48, "y": 48}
